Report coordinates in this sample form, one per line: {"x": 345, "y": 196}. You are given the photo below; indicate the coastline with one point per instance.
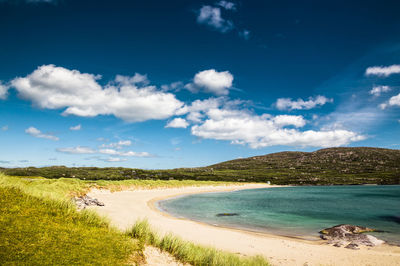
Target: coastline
{"x": 125, "y": 207}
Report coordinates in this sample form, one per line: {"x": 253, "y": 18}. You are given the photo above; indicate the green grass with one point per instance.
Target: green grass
{"x": 40, "y": 225}
{"x": 36, "y": 231}
{"x": 188, "y": 252}
{"x": 65, "y": 188}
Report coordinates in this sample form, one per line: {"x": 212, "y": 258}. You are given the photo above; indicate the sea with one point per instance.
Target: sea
{"x": 298, "y": 211}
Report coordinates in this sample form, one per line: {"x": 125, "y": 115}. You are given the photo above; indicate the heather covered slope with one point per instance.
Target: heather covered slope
{"x": 326, "y": 166}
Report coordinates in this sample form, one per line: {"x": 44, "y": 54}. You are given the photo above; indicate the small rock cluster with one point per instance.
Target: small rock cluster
{"x": 350, "y": 236}
{"x": 83, "y": 201}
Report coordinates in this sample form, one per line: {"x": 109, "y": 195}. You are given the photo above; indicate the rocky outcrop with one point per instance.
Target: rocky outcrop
{"x": 83, "y": 201}
{"x": 350, "y": 236}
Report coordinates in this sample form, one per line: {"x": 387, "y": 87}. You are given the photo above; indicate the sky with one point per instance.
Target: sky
{"x": 169, "y": 84}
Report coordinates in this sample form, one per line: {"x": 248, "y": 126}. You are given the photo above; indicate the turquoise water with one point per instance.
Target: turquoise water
{"x": 296, "y": 211}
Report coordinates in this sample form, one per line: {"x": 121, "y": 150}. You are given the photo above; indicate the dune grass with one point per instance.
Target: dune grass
{"x": 188, "y": 252}
{"x": 65, "y": 188}
{"x": 40, "y": 225}
{"x": 37, "y": 231}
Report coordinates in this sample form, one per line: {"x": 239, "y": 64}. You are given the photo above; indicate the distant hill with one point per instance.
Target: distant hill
{"x": 332, "y": 165}
{"x": 337, "y": 166}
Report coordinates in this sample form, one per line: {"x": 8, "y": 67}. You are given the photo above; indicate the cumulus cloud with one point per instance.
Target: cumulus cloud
{"x": 3, "y": 91}
{"x": 383, "y": 71}
{"x": 76, "y": 128}
{"x": 177, "y": 123}
{"x": 174, "y": 86}
{"x": 227, "y": 5}
{"x": 289, "y": 120}
{"x": 80, "y": 94}
{"x": 393, "y": 101}
{"x": 211, "y": 16}
{"x": 88, "y": 150}
{"x": 300, "y": 104}
{"x": 34, "y": 132}
{"x": 4, "y": 128}
{"x": 243, "y": 127}
{"x": 211, "y": 81}
{"x": 117, "y": 145}
{"x": 77, "y": 150}
{"x": 377, "y": 90}
{"x": 124, "y": 153}
{"x": 113, "y": 159}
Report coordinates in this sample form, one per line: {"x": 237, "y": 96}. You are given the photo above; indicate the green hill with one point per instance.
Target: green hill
{"x": 359, "y": 165}
{"x": 327, "y": 166}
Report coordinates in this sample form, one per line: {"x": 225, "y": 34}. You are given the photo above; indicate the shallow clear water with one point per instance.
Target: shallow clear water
{"x": 296, "y": 211}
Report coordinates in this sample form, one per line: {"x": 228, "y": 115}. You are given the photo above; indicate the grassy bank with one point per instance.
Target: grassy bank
{"x": 65, "y": 188}
{"x": 40, "y": 225}
{"x": 47, "y": 232}
{"x": 188, "y": 252}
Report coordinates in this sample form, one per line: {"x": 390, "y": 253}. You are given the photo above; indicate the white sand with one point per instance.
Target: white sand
{"x": 125, "y": 207}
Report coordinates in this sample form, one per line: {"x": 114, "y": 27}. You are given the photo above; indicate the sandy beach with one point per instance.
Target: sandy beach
{"x": 125, "y": 207}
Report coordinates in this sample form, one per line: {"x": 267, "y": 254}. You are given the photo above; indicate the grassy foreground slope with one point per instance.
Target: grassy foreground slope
{"x": 359, "y": 165}
{"x": 39, "y": 225}
{"x": 44, "y": 231}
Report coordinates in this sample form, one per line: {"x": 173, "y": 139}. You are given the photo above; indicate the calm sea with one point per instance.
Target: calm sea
{"x": 296, "y": 211}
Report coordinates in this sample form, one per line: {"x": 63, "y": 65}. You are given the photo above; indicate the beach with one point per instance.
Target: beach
{"x": 125, "y": 207}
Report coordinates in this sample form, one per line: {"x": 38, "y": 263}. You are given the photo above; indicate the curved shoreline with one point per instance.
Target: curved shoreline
{"x": 153, "y": 204}
{"x": 125, "y": 207}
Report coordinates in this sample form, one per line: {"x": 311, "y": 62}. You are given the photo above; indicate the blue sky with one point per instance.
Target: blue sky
{"x": 166, "y": 84}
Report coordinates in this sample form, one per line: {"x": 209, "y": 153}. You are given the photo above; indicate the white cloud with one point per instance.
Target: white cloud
{"x": 177, "y": 123}
{"x": 34, "y": 132}
{"x": 377, "y": 90}
{"x": 300, "y": 104}
{"x": 3, "y": 91}
{"x": 4, "y": 128}
{"x": 174, "y": 86}
{"x": 117, "y": 145}
{"x": 383, "y": 71}
{"x": 135, "y": 79}
{"x": 88, "y": 150}
{"x": 76, "y": 128}
{"x": 54, "y": 87}
{"x": 227, "y": 5}
{"x": 289, "y": 120}
{"x": 77, "y": 150}
{"x": 211, "y": 81}
{"x": 242, "y": 127}
{"x": 124, "y": 153}
{"x": 393, "y": 101}
{"x": 211, "y": 16}
{"x": 114, "y": 159}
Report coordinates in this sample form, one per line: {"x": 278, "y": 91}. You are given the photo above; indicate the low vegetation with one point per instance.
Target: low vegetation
{"x": 188, "y": 252}
{"x": 333, "y": 166}
{"x": 47, "y": 232}
{"x": 40, "y": 225}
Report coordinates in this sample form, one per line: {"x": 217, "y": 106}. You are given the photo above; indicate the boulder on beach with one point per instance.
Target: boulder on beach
{"x": 350, "y": 236}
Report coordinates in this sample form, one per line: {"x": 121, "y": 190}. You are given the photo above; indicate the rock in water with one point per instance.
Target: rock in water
{"x": 227, "y": 214}
{"x": 352, "y": 234}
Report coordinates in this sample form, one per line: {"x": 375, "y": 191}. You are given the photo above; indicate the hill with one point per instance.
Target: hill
{"x": 327, "y": 166}
{"x": 361, "y": 165}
